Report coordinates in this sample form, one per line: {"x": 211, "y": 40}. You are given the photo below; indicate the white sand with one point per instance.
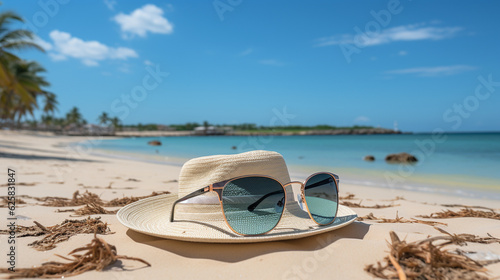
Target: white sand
{"x": 341, "y": 254}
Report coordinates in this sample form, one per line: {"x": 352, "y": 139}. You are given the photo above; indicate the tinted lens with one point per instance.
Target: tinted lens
{"x": 322, "y": 198}
{"x": 253, "y": 205}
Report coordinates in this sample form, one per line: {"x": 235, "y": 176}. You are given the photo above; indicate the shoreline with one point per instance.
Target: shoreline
{"x": 170, "y": 133}
{"x": 425, "y": 183}
{"x": 49, "y": 169}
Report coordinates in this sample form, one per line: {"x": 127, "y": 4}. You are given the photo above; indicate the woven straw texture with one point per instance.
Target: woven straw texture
{"x": 205, "y": 223}
{"x": 203, "y": 171}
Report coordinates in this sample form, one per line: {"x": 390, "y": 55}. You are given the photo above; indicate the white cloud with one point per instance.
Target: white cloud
{"x": 42, "y": 43}
{"x": 434, "y": 71}
{"x": 272, "y": 62}
{"x": 412, "y": 32}
{"x": 149, "y": 18}
{"x": 148, "y": 62}
{"x": 361, "y": 119}
{"x": 110, "y": 4}
{"x": 246, "y": 52}
{"x": 88, "y": 52}
{"x": 402, "y": 53}
{"x": 57, "y": 56}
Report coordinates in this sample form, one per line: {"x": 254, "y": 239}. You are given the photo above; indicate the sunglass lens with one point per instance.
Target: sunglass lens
{"x": 253, "y": 205}
{"x": 322, "y": 198}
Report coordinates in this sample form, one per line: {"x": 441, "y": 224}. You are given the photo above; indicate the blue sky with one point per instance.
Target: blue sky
{"x": 417, "y": 63}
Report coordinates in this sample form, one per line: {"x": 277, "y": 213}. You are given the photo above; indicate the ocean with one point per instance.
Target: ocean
{"x": 465, "y": 164}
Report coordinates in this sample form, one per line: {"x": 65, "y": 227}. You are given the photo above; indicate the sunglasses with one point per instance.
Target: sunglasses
{"x": 254, "y": 204}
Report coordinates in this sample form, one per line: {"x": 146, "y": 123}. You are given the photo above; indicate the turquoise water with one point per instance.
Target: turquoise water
{"x": 463, "y": 164}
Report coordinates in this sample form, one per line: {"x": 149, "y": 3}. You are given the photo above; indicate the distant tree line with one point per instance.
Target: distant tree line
{"x": 255, "y": 127}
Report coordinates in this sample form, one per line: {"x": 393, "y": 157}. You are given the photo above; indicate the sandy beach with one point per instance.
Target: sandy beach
{"x": 45, "y": 166}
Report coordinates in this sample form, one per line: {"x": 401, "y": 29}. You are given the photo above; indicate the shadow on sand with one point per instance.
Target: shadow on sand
{"x": 226, "y": 252}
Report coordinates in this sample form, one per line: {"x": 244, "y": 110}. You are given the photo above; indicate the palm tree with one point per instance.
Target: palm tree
{"x": 50, "y": 103}
{"x": 26, "y": 75}
{"x": 47, "y": 119}
{"x": 59, "y": 122}
{"x": 103, "y": 118}
{"x": 116, "y": 123}
{"x": 74, "y": 117}
{"x": 16, "y": 87}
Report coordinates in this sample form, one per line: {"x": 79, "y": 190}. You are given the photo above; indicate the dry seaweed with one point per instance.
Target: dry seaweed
{"x": 59, "y": 233}
{"x": 349, "y": 196}
{"x": 462, "y": 238}
{"x": 92, "y": 209}
{"x": 467, "y": 206}
{"x": 21, "y": 184}
{"x": 425, "y": 260}
{"x": 107, "y": 187}
{"x": 77, "y": 200}
{"x": 127, "y": 200}
{"x": 23, "y": 231}
{"x": 170, "y": 181}
{"x": 65, "y": 210}
{"x": 88, "y": 198}
{"x": 18, "y": 200}
{"x": 95, "y": 204}
{"x": 5, "y": 201}
{"x": 396, "y": 198}
{"x": 399, "y": 220}
{"x": 465, "y": 212}
{"x": 67, "y": 229}
{"x": 133, "y": 180}
{"x": 94, "y": 256}
{"x": 368, "y": 217}
{"x": 358, "y": 205}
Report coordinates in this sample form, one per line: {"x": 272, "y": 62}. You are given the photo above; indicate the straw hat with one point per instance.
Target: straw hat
{"x": 200, "y": 219}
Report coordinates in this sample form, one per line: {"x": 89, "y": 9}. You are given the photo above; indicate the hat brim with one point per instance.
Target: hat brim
{"x": 205, "y": 223}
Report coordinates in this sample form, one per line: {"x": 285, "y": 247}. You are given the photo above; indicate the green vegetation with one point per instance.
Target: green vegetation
{"x": 250, "y": 127}
{"x": 103, "y": 118}
{"x": 72, "y": 117}
{"x": 21, "y": 83}
{"x": 141, "y": 127}
{"x": 290, "y": 128}
{"x": 184, "y": 127}
{"x": 296, "y": 129}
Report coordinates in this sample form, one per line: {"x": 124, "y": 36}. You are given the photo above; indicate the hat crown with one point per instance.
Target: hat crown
{"x": 203, "y": 171}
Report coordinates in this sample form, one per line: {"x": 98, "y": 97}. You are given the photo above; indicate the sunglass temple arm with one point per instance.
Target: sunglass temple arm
{"x": 191, "y": 195}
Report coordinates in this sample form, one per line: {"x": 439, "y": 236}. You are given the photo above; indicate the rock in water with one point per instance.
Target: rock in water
{"x": 401, "y": 158}
{"x": 369, "y": 158}
{"x": 154, "y": 143}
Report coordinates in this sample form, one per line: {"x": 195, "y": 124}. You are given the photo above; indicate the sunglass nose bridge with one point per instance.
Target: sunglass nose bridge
{"x": 294, "y": 192}
{"x": 294, "y": 182}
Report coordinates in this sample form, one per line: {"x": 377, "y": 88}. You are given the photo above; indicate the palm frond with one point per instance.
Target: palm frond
{"x": 21, "y": 45}
{"x": 17, "y": 35}
{"x": 7, "y": 17}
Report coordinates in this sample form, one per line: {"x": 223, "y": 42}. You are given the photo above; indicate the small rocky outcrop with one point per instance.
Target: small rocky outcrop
{"x": 154, "y": 143}
{"x": 369, "y": 158}
{"x": 401, "y": 158}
